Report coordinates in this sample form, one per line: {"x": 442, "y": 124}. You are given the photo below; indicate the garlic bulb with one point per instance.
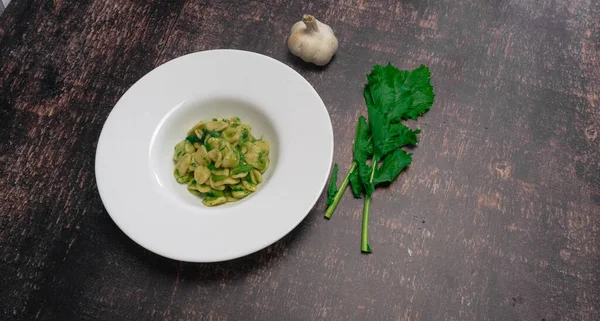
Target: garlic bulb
{"x": 313, "y": 41}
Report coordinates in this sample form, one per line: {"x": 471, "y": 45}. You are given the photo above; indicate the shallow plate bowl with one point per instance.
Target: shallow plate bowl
{"x": 134, "y": 165}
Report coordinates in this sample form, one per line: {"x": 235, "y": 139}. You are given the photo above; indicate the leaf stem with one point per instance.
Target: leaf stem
{"x": 364, "y": 235}
{"x": 340, "y": 192}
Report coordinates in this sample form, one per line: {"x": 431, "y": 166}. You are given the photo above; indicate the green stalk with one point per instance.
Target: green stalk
{"x": 364, "y": 235}
{"x": 340, "y": 192}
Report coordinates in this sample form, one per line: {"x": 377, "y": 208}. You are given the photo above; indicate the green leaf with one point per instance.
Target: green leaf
{"x": 388, "y": 136}
{"x": 245, "y": 136}
{"x": 421, "y": 93}
{"x": 215, "y": 134}
{"x": 363, "y": 145}
{"x": 356, "y": 184}
{"x": 378, "y": 123}
{"x": 364, "y": 173}
{"x": 214, "y": 194}
{"x": 399, "y": 136}
{"x": 193, "y": 139}
{"x": 391, "y": 167}
{"x": 391, "y": 96}
{"x": 400, "y": 94}
{"x": 244, "y": 168}
{"x": 385, "y": 86}
{"x": 363, "y": 150}
{"x": 332, "y": 185}
{"x": 217, "y": 178}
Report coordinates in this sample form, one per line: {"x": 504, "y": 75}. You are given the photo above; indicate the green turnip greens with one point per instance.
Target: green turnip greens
{"x": 391, "y": 96}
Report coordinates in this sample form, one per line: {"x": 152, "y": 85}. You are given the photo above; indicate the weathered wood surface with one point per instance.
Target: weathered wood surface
{"x": 498, "y": 218}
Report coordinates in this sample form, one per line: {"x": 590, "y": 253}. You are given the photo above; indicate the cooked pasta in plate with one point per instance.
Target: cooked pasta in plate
{"x": 221, "y": 160}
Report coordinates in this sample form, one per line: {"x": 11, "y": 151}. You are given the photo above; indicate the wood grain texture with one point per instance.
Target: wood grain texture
{"x": 498, "y": 218}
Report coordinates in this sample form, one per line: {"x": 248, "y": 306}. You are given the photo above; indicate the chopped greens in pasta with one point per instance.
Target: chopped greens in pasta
{"x": 221, "y": 160}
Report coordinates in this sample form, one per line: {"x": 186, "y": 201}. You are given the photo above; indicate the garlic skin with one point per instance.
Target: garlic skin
{"x": 313, "y": 41}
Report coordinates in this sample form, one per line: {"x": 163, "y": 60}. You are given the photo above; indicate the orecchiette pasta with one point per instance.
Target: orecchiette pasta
{"x": 221, "y": 160}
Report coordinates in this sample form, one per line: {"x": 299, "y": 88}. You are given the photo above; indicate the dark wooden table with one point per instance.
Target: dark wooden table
{"x": 498, "y": 218}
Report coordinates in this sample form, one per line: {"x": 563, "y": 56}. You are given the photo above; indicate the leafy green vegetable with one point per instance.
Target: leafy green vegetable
{"x": 193, "y": 139}
{"x": 388, "y": 136}
{"x": 363, "y": 146}
{"x": 401, "y": 94}
{"x": 392, "y": 165}
{"x": 339, "y": 192}
{"x": 363, "y": 150}
{"x": 332, "y": 185}
{"x": 214, "y": 194}
{"x": 215, "y": 134}
{"x": 217, "y": 178}
{"x": 355, "y": 184}
{"x": 391, "y": 96}
{"x": 244, "y": 168}
{"x": 245, "y": 135}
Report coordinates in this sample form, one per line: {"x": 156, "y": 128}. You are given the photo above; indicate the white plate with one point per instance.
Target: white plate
{"x": 134, "y": 166}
